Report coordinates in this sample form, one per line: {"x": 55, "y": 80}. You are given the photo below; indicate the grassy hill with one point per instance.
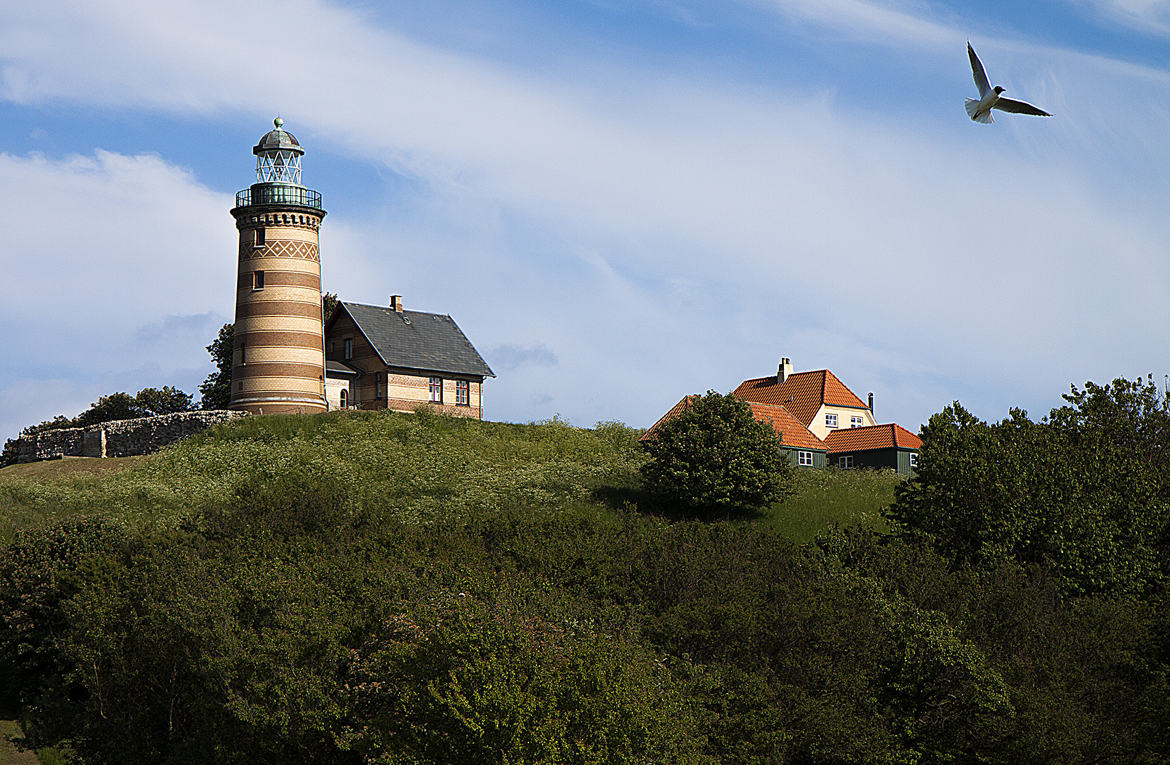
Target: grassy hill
{"x": 408, "y": 466}
{"x": 373, "y": 588}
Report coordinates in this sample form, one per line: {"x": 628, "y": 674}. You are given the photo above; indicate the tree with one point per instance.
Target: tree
{"x": 150, "y": 402}
{"x": 116, "y": 406}
{"x": 1083, "y": 492}
{"x": 216, "y": 390}
{"x": 715, "y": 456}
{"x": 329, "y": 303}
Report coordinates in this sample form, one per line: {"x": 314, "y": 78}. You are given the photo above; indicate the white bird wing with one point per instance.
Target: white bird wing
{"x": 1019, "y": 107}
{"x": 977, "y": 72}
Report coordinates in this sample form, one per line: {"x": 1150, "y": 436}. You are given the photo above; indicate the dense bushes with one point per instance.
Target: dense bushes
{"x": 307, "y": 613}
{"x": 524, "y": 637}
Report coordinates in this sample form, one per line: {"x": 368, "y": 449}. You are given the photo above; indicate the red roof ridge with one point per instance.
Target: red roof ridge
{"x": 883, "y": 436}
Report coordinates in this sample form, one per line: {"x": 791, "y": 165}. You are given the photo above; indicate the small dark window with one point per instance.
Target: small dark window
{"x": 243, "y": 354}
{"x": 344, "y": 398}
{"x": 257, "y": 280}
{"x": 349, "y": 348}
{"x": 259, "y": 237}
{"x": 379, "y": 386}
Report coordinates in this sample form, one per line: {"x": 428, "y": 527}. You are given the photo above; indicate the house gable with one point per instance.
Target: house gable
{"x": 407, "y": 359}
{"x": 804, "y": 394}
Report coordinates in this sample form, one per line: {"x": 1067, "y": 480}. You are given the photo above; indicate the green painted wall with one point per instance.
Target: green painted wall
{"x": 879, "y": 459}
{"x": 820, "y": 459}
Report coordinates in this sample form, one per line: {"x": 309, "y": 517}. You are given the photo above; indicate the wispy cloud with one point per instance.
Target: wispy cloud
{"x": 893, "y": 23}
{"x": 723, "y": 226}
{"x": 512, "y": 357}
{"x": 1150, "y": 16}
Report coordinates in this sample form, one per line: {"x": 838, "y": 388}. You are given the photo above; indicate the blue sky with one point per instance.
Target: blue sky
{"x": 619, "y": 202}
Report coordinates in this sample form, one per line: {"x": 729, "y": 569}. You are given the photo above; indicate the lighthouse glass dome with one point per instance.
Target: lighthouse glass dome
{"x": 278, "y": 166}
{"x": 278, "y": 156}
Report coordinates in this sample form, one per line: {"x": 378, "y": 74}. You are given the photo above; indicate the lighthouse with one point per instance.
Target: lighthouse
{"x": 278, "y": 359}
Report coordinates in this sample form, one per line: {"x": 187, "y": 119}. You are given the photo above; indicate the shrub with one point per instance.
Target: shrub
{"x": 715, "y": 457}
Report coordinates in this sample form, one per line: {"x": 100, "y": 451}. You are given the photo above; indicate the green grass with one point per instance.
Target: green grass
{"x": 10, "y": 755}
{"x": 822, "y": 498}
{"x": 420, "y": 467}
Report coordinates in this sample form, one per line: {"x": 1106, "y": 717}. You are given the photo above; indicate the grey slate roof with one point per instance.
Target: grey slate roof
{"x": 338, "y": 368}
{"x": 418, "y": 340}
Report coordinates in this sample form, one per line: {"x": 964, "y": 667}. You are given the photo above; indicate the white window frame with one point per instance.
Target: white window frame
{"x": 804, "y": 458}
{"x": 344, "y": 398}
{"x": 462, "y": 393}
{"x": 830, "y": 419}
{"x": 435, "y": 389}
{"x": 856, "y": 421}
{"x": 913, "y": 460}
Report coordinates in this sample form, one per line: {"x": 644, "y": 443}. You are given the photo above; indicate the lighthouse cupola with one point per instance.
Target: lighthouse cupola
{"x": 278, "y": 360}
{"x": 278, "y": 156}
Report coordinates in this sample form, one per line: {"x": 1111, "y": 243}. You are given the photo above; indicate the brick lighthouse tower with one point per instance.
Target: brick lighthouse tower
{"x": 278, "y": 359}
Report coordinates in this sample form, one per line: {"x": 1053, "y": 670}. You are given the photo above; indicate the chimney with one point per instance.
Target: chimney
{"x": 785, "y": 369}
{"x": 396, "y": 303}
{"x": 871, "y": 403}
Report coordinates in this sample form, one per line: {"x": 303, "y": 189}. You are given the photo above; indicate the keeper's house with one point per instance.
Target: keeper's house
{"x": 800, "y": 445}
{"x": 836, "y": 415}
{"x": 820, "y": 422}
{"x": 385, "y": 357}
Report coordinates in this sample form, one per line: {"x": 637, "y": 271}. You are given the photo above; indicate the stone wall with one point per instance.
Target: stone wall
{"x": 117, "y": 438}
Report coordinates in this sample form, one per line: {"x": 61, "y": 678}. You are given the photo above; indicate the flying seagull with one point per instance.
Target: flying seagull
{"x": 990, "y": 98}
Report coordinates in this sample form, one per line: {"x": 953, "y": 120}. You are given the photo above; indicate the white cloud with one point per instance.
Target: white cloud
{"x": 112, "y": 263}
{"x": 1150, "y": 16}
{"x": 664, "y": 238}
{"x": 893, "y": 23}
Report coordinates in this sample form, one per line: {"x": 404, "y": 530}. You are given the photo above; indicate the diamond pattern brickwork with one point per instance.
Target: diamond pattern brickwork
{"x": 280, "y": 248}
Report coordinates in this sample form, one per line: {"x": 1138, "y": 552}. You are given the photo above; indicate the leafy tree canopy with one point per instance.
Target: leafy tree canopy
{"x": 715, "y": 456}
{"x": 329, "y": 303}
{"x": 148, "y": 402}
{"x": 216, "y": 390}
{"x": 1084, "y": 491}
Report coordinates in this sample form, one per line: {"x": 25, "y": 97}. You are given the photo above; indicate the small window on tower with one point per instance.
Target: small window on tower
{"x": 243, "y": 354}
{"x": 257, "y": 280}
{"x": 259, "y": 237}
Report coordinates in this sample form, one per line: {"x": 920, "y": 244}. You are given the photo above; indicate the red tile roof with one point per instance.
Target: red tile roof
{"x": 802, "y": 393}
{"x": 887, "y": 436}
{"x": 791, "y": 430}
{"x": 683, "y": 404}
